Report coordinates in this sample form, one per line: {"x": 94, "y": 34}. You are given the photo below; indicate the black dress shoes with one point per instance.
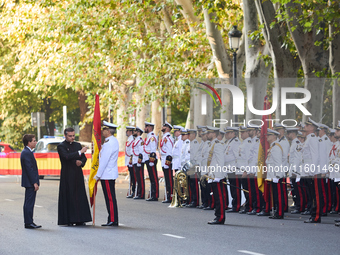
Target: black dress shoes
{"x": 333, "y": 212}
{"x": 306, "y": 213}
{"x": 32, "y": 226}
{"x": 337, "y": 224}
{"x": 242, "y": 212}
{"x": 80, "y": 224}
{"x": 312, "y": 221}
{"x": 253, "y": 212}
{"x": 138, "y": 197}
{"x": 263, "y": 213}
{"x": 216, "y": 222}
{"x": 166, "y": 201}
{"x": 231, "y": 211}
{"x": 324, "y": 214}
{"x": 295, "y": 212}
{"x": 130, "y": 196}
{"x": 152, "y": 199}
{"x": 337, "y": 220}
{"x": 208, "y": 208}
{"x": 192, "y": 205}
{"x": 110, "y": 224}
{"x": 276, "y": 217}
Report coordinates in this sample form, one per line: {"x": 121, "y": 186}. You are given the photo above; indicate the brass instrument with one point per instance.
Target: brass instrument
{"x": 181, "y": 189}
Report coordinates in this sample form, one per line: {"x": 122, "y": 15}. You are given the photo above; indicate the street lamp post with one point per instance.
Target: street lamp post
{"x": 234, "y": 44}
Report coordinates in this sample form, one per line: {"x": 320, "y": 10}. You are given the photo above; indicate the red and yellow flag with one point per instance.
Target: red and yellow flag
{"x": 264, "y": 146}
{"x": 96, "y": 145}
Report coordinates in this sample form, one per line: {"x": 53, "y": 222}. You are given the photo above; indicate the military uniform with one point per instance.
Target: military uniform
{"x": 313, "y": 182}
{"x": 177, "y": 150}
{"x": 217, "y": 177}
{"x": 137, "y": 161}
{"x": 230, "y": 161}
{"x": 275, "y": 174}
{"x": 294, "y": 165}
{"x": 166, "y": 145}
{"x": 149, "y": 148}
{"x": 203, "y": 161}
{"x": 242, "y": 166}
{"x": 128, "y": 163}
{"x": 108, "y": 173}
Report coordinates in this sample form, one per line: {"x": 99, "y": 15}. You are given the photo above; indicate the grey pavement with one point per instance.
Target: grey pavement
{"x": 153, "y": 228}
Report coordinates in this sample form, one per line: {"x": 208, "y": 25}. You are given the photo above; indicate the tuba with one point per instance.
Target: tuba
{"x": 180, "y": 190}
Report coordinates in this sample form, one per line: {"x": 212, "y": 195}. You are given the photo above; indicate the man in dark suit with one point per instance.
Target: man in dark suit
{"x": 30, "y": 179}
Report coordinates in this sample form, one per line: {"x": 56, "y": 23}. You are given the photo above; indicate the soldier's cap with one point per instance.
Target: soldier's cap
{"x": 130, "y": 128}
{"x": 222, "y": 131}
{"x": 139, "y": 129}
{"x": 278, "y": 126}
{"x": 109, "y": 125}
{"x": 211, "y": 129}
{"x": 231, "y": 129}
{"x": 177, "y": 128}
{"x": 204, "y": 131}
{"x": 311, "y": 122}
{"x": 252, "y": 127}
{"x": 299, "y": 134}
{"x": 199, "y": 127}
{"x": 191, "y": 131}
{"x": 272, "y": 132}
{"x": 167, "y": 124}
{"x": 292, "y": 129}
{"x": 323, "y": 126}
{"x": 331, "y": 130}
{"x": 184, "y": 131}
{"x": 243, "y": 129}
{"x": 338, "y": 126}
{"x": 148, "y": 123}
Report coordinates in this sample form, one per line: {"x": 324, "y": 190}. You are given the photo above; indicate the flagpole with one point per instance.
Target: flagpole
{"x": 94, "y": 205}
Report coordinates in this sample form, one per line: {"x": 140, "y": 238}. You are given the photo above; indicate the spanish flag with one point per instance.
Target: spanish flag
{"x": 264, "y": 146}
{"x": 96, "y": 145}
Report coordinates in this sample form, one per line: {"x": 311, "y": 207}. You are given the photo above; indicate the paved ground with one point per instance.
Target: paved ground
{"x": 153, "y": 228}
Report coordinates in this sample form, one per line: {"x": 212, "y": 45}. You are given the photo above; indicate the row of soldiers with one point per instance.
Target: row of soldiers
{"x": 309, "y": 155}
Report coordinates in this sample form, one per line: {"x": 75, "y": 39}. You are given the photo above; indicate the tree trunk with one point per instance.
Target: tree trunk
{"x": 188, "y": 13}
{"x": 156, "y": 112}
{"x": 313, "y": 58}
{"x": 334, "y": 62}
{"x": 257, "y": 73}
{"x": 122, "y": 116}
{"x": 85, "y": 133}
{"x": 285, "y": 64}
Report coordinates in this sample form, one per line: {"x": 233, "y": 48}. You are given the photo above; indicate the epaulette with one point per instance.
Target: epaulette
{"x": 326, "y": 138}
{"x": 297, "y": 141}
{"x": 217, "y": 141}
{"x": 312, "y": 135}
{"x": 320, "y": 140}
{"x": 187, "y": 142}
{"x": 257, "y": 140}
{"x": 152, "y": 133}
{"x": 249, "y": 141}
{"x": 236, "y": 140}
{"x": 168, "y": 135}
{"x": 106, "y": 141}
{"x": 195, "y": 141}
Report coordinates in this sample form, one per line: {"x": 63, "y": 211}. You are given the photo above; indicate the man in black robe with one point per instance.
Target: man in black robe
{"x": 73, "y": 206}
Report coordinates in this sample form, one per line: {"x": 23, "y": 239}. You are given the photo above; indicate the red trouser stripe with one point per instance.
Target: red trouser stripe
{"x": 317, "y": 196}
{"x": 258, "y": 201}
{"x": 324, "y": 194}
{"x": 329, "y": 195}
{"x": 221, "y": 201}
{"x": 279, "y": 193}
{"x": 250, "y": 195}
{"x": 109, "y": 195}
{"x": 197, "y": 190}
{"x": 212, "y": 198}
{"x": 302, "y": 208}
{"x": 224, "y": 194}
{"x": 142, "y": 181}
{"x": 156, "y": 179}
{"x": 337, "y": 198}
{"x": 284, "y": 190}
{"x": 238, "y": 193}
{"x": 171, "y": 187}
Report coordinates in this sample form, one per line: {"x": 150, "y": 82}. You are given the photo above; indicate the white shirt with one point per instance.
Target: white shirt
{"x": 231, "y": 152}
{"x": 108, "y": 157}
{"x": 150, "y": 145}
{"x": 217, "y": 160}
{"x": 194, "y": 147}
{"x": 176, "y": 153}
{"x": 166, "y": 146}
{"x": 295, "y": 156}
{"x": 243, "y": 155}
{"x": 274, "y": 159}
{"x": 310, "y": 155}
{"x": 137, "y": 148}
{"x": 128, "y": 149}
{"x": 185, "y": 155}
